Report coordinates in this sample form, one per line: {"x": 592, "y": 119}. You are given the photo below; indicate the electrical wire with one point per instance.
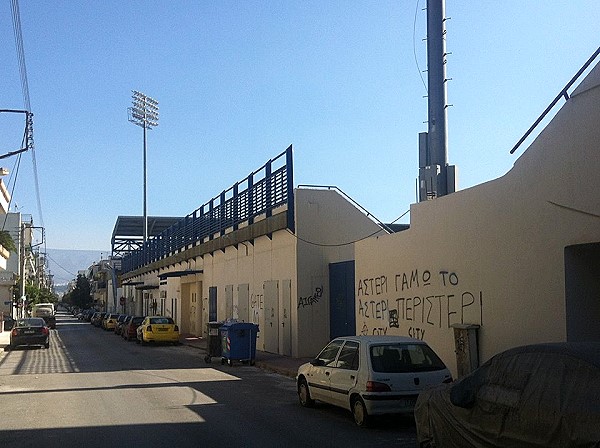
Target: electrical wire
{"x": 347, "y": 243}
{"x": 16, "y": 171}
{"x": 57, "y": 264}
{"x": 20, "y": 52}
{"x": 415, "y": 47}
{"x": 16, "y": 17}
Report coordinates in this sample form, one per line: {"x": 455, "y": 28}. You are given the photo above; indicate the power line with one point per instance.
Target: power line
{"x": 57, "y": 264}
{"x": 415, "y": 46}
{"x": 348, "y": 242}
{"x": 16, "y": 17}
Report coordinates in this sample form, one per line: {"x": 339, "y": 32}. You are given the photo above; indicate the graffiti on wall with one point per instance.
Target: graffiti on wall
{"x": 416, "y": 301}
{"x": 312, "y": 299}
{"x": 257, "y": 304}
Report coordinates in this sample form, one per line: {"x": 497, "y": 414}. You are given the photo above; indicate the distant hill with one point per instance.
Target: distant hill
{"x": 64, "y": 264}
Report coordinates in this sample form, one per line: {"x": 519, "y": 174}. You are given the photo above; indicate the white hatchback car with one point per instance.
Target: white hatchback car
{"x": 371, "y": 375}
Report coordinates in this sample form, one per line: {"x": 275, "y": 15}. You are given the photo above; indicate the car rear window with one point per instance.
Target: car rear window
{"x": 401, "y": 358}
{"x": 137, "y": 320}
{"x": 161, "y": 320}
{"x": 30, "y": 322}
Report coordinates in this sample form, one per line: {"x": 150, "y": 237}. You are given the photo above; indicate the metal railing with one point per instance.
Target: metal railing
{"x": 369, "y": 215}
{"x": 265, "y": 189}
{"x": 563, "y": 93}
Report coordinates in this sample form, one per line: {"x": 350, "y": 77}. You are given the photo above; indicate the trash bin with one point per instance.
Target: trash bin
{"x": 213, "y": 341}
{"x": 238, "y": 342}
{"x": 8, "y": 323}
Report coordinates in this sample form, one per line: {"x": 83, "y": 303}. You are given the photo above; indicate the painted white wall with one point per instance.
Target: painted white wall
{"x": 492, "y": 255}
{"x": 327, "y": 226}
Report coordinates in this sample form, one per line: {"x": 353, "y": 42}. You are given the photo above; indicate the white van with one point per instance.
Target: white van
{"x": 46, "y": 311}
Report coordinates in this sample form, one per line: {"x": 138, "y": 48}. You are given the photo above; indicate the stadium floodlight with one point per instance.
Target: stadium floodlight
{"x": 143, "y": 113}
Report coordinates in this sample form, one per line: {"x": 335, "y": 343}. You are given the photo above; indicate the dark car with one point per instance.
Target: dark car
{"x": 29, "y": 331}
{"x": 121, "y": 321}
{"x": 97, "y": 319}
{"x": 543, "y": 395}
{"x": 130, "y": 329}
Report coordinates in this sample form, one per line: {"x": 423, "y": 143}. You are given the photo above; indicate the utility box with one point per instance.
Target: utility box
{"x": 467, "y": 348}
{"x": 238, "y": 342}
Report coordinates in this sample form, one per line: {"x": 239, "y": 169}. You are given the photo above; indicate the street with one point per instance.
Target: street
{"x": 92, "y": 388}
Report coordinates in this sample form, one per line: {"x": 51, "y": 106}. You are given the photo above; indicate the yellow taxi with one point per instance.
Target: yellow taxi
{"x": 110, "y": 321}
{"x": 157, "y": 329}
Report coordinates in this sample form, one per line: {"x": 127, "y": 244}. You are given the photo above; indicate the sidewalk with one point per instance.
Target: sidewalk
{"x": 4, "y": 338}
{"x": 283, "y": 365}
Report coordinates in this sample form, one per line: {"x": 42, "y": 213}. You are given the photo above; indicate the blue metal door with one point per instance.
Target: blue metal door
{"x": 342, "y": 299}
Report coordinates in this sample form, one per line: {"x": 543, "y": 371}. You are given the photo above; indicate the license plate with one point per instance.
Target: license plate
{"x": 408, "y": 402}
{"x": 29, "y": 332}
{"x": 163, "y": 329}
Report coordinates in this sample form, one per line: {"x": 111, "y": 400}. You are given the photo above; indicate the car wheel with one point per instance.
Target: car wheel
{"x": 304, "y": 394}
{"x": 47, "y": 345}
{"x": 359, "y": 412}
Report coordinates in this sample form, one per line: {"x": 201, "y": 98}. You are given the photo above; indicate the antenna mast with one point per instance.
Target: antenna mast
{"x": 436, "y": 177}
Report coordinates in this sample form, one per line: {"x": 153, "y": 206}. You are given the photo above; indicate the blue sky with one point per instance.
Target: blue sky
{"x": 239, "y": 81}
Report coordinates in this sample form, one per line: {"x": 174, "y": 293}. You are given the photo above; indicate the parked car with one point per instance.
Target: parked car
{"x": 371, "y": 375}
{"x": 46, "y": 311}
{"x": 158, "y": 329}
{"x": 109, "y": 321}
{"x": 97, "y": 318}
{"x": 537, "y": 395}
{"x": 29, "y": 331}
{"x": 123, "y": 318}
{"x": 130, "y": 329}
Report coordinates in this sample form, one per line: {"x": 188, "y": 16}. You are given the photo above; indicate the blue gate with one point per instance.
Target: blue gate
{"x": 342, "y": 299}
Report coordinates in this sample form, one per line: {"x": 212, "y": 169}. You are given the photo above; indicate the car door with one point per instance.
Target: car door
{"x": 342, "y": 378}
{"x": 320, "y": 371}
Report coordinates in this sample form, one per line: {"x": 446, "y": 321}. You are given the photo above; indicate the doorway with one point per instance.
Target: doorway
{"x": 582, "y": 292}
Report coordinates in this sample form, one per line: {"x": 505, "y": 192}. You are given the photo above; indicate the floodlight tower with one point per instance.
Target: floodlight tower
{"x": 144, "y": 113}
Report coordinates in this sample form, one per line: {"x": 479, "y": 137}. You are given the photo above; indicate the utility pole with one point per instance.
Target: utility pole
{"x": 22, "y": 297}
{"x": 436, "y": 177}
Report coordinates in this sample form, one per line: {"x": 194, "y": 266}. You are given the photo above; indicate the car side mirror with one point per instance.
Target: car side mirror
{"x": 317, "y": 362}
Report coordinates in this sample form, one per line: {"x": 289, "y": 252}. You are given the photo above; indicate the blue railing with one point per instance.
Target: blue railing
{"x": 265, "y": 189}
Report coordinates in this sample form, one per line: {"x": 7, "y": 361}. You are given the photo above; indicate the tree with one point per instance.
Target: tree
{"x": 35, "y": 295}
{"x": 6, "y": 241}
{"x": 81, "y": 294}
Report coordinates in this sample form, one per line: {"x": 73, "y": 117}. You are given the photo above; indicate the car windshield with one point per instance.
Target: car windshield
{"x": 329, "y": 353}
{"x": 161, "y": 320}
{"x": 30, "y": 322}
{"x": 400, "y": 358}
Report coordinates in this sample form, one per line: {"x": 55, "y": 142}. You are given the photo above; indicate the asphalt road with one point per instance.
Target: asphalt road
{"x": 92, "y": 388}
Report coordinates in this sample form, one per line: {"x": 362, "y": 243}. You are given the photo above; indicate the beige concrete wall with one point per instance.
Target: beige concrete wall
{"x": 265, "y": 259}
{"x": 327, "y": 226}
{"x": 492, "y": 255}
